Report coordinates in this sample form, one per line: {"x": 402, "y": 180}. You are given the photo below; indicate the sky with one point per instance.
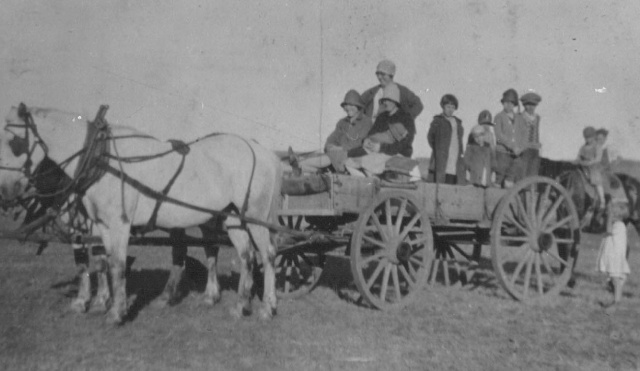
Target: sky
{"x": 277, "y": 71}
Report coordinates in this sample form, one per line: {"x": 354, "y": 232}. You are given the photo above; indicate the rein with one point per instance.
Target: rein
{"x": 93, "y": 163}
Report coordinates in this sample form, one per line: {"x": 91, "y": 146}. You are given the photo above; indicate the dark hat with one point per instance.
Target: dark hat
{"x": 530, "y": 98}
{"x": 485, "y": 118}
{"x": 589, "y": 132}
{"x": 353, "y": 98}
{"x": 510, "y": 96}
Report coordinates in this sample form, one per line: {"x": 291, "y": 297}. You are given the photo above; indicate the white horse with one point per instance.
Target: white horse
{"x": 217, "y": 172}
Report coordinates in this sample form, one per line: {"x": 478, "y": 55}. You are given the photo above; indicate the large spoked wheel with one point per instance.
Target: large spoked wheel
{"x": 297, "y": 270}
{"x": 391, "y": 250}
{"x": 534, "y": 239}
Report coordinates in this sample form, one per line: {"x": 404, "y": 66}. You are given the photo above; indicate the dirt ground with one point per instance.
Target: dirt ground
{"x": 471, "y": 327}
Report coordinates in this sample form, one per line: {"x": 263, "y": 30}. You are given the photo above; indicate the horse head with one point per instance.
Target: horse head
{"x": 30, "y": 135}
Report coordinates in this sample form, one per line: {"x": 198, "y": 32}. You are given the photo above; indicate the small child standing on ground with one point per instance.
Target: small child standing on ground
{"x": 477, "y": 156}
{"x": 612, "y": 257}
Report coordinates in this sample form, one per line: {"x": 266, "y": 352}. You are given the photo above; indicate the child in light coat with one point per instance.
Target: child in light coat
{"x": 612, "y": 257}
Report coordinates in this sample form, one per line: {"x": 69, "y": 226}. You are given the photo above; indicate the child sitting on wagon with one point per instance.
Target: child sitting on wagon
{"x": 590, "y": 158}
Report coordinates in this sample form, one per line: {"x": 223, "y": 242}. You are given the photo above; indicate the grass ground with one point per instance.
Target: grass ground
{"x": 473, "y": 327}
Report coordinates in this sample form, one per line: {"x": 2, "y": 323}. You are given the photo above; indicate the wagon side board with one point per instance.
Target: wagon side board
{"x": 444, "y": 203}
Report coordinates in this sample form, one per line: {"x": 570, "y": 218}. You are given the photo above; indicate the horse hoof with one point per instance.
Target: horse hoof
{"x": 239, "y": 311}
{"x": 211, "y": 300}
{"x": 160, "y": 303}
{"x": 266, "y": 314}
{"x": 98, "y": 306}
{"x": 79, "y": 306}
{"x": 113, "y": 319}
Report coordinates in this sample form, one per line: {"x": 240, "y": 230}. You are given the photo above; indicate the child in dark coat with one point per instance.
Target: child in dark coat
{"x": 477, "y": 157}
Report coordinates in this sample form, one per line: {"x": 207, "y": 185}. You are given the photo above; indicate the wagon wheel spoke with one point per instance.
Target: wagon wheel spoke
{"x": 374, "y": 241}
{"x": 385, "y": 282}
{"x": 539, "y": 275}
{"x": 531, "y": 206}
{"x": 528, "y": 223}
{"x": 365, "y": 262}
{"x": 406, "y": 275}
{"x": 387, "y": 213}
{"x": 375, "y": 274}
{"x": 527, "y": 275}
{"x": 521, "y": 263}
{"x": 559, "y": 224}
{"x": 514, "y": 239}
{"x": 550, "y": 271}
{"x": 381, "y": 231}
{"x": 396, "y": 282}
{"x": 568, "y": 241}
{"x": 542, "y": 200}
{"x": 418, "y": 241}
{"x": 552, "y": 211}
{"x": 511, "y": 220}
{"x": 401, "y": 211}
{"x": 559, "y": 259}
{"x": 409, "y": 226}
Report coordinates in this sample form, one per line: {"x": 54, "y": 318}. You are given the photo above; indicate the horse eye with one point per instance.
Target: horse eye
{"x": 18, "y": 146}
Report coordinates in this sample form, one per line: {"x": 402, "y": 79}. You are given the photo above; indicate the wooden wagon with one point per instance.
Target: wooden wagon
{"x": 401, "y": 236}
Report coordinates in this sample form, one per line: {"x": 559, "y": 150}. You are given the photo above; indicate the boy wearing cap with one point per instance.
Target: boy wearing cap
{"x": 530, "y": 157}
{"x": 510, "y": 140}
{"x": 590, "y": 158}
{"x": 445, "y": 139}
{"x": 409, "y": 102}
{"x": 392, "y": 134}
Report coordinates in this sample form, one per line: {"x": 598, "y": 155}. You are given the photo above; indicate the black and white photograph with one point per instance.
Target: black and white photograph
{"x": 320, "y": 185}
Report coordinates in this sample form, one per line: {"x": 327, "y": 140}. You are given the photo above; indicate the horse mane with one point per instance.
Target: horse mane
{"x": 554, "y": 168}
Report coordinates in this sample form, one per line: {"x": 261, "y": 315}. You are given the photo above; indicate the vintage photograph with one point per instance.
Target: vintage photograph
{"x": 320, "y": 185}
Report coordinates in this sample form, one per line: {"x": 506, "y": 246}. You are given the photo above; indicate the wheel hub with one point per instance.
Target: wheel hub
{"x": 545, "y": 241}
{"x": 403, "y": 252}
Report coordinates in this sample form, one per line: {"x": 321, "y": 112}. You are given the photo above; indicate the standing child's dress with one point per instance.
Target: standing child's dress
{"x": 612, "y": 257}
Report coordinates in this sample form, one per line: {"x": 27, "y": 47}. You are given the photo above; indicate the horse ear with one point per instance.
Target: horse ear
{"x": 19, "y": 146}
{"x": 22, "y": 110}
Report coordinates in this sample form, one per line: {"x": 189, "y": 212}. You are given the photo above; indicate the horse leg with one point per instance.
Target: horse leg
{"x": 116, "y": 240}
{"x": 101, "y": 267}
{"x": 241, "y": 240}
{"x": 262, "y": 238}
{"x": 212, "y": 292}
{"x": 170, "y": 295}
{"x": 81, "y": 257}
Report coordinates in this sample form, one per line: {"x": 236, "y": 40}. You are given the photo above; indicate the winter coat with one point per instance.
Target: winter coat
{"x": 508, "y": 135}
{"x": 383, "y": 121}
{"x": 349, "y": 135}
{"x": 409, "y": 102}
{"x": 439, "y": 138}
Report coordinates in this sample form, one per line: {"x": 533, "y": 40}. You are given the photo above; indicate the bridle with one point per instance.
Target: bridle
{"x": 20, "y": 145}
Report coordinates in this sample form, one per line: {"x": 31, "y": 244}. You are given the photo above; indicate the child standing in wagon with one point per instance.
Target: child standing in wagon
{"x": 612, "y": 257}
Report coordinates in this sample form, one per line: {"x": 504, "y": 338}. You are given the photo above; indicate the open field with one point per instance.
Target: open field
{"x": 474, "y": 327}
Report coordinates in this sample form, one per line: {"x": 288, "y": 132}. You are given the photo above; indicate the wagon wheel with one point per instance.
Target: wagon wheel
{"x": 297, "y": 271}
{"x": 534, "y": 239}
{"x": 391, "y": 250}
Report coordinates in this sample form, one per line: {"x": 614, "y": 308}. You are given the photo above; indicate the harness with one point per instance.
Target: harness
{"x": 94, "y": 161}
